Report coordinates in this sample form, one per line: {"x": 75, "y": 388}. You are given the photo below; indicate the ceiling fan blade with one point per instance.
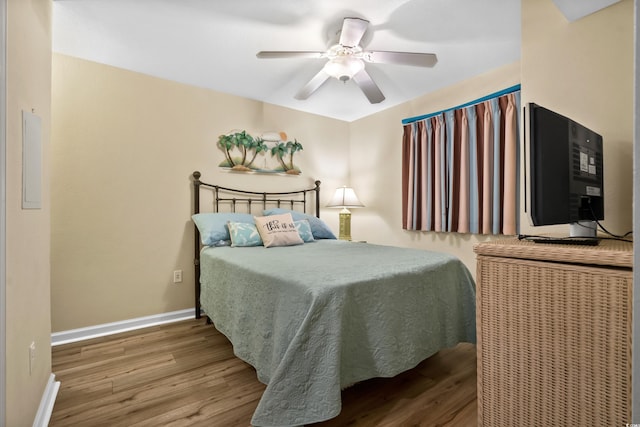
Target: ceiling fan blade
{"x": 289, "y": 54}
{"x": 402, "y": 58}
{"x": 352, "y": 31}
{"x": 368, "y": 86}
{"x": 313, "y": 85}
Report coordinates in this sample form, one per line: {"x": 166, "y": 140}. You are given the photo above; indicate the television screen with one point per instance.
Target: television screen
{"x": 565, "y": 170}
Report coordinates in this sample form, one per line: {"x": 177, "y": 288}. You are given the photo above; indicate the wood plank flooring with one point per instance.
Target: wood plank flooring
{"x": 185, "y": 374}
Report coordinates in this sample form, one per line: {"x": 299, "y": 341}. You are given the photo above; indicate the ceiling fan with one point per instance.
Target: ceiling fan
{"x": 346, "y": 61}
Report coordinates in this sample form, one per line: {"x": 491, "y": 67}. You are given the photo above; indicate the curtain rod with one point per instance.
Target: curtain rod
{"x": 468, "y": 104}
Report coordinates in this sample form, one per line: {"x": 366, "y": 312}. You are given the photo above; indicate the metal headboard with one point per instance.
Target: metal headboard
{"x": 233, "y": 198}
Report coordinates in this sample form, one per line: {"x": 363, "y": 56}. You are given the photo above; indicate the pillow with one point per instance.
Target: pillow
{"x": 278, "y": 230}
{"x": 304, "y": 229}
{"x": 244, "y": 234}
{"x": 319, "y": 229}
{"x": 213, "y": 226}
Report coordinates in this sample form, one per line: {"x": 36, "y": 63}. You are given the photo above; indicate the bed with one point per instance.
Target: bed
{"x": 316, "y": 317}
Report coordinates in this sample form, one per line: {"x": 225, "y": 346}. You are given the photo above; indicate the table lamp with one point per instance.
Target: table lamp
{"x": 345, "y": 198}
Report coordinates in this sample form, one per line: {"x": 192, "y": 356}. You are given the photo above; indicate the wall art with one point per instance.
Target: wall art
{"x": 270, "y": 152}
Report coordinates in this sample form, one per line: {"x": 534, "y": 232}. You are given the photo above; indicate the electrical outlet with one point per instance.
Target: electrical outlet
{"x": 32, "y": 356}
{"x": 177, "y": 276}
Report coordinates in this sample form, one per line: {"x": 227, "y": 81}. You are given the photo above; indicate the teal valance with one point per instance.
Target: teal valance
{"x": 477, "y": 101}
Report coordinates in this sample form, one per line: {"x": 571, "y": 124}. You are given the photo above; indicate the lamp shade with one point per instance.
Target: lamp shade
{"x": 345, "y": 197}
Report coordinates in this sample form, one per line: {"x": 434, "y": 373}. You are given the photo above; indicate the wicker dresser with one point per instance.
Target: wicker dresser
{"x": 554, "y": 334}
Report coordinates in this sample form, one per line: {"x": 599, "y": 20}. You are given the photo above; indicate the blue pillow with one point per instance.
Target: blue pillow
{"x": 319, "y": 229}
{"x": 244, "y": 234}
{"x": 213, "y": 226}
{"x": 304, "y": 230}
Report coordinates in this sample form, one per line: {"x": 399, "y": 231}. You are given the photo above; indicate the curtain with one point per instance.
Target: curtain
{"x": 460, "y": 168}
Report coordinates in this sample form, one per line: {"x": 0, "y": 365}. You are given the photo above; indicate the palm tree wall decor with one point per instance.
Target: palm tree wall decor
{"x": 241, "y": 151}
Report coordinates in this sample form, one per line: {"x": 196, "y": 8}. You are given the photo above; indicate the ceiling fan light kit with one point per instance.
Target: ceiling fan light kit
{"x": 346, "y": 61}
{"x": 344, "y": 68}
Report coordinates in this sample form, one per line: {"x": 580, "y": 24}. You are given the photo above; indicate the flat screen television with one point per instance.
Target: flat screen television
{"x": 566, "y": 183}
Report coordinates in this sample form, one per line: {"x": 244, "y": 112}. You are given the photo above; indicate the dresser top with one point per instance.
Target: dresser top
{"x": 613, "y": 253}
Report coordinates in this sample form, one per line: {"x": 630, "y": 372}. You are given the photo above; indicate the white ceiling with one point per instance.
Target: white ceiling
{"x": 574, "y": 10}
{"x": 213, "y": 44}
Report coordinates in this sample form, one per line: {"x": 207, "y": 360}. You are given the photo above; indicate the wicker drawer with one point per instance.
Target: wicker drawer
{"x": 554, "y": 337}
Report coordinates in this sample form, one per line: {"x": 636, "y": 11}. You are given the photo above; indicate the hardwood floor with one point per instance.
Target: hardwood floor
{"x": 185, "y": 374}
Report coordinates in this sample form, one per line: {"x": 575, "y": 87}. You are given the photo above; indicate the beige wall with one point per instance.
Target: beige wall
{"x": 582, "y": 69}
{"x": 27, "y": 240}
{"x": 124, "y": 147}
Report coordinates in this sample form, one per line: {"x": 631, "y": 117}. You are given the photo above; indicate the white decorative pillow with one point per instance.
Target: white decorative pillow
{"x": 319, "y": 229}
{"x": 243, "y": 234}
{"x": 278, "y": 230}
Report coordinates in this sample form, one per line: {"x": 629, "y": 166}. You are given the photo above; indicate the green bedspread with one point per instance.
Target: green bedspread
{"x": 316, "y": 318}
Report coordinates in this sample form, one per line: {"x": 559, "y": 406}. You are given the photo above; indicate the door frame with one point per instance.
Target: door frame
{"x": 3, "y": 207}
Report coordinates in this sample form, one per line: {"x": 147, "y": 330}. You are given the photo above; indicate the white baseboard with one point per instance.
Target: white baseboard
{"x": 80, "y": 334}
{"x": 46, "y": 403}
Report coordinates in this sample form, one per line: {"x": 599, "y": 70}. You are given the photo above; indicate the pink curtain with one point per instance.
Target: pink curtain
{"x": 460, "y": 170}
